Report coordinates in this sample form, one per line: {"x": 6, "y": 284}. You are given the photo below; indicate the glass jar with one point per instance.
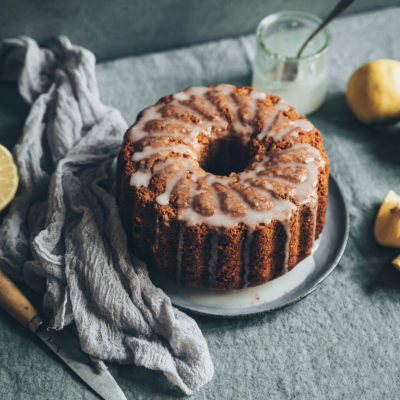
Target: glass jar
{"x": 301, "y": 81}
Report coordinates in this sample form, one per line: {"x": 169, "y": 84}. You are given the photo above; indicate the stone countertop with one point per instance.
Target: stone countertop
{"x": 340, "y": 342}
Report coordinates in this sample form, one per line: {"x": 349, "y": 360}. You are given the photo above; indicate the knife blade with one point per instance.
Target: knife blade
{"x": 63, "y": 343}
{"x": 66, "y": 346}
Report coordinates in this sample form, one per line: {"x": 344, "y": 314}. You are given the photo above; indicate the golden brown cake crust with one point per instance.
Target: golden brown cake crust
{"x": 212, "y": 220}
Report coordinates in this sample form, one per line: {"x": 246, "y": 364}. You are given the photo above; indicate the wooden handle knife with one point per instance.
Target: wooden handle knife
{"x": 63, "y": 343}
{"x": 13, "y": 301}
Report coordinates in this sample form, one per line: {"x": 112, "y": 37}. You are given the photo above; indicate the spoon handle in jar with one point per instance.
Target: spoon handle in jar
{"x": 341, "y": 6}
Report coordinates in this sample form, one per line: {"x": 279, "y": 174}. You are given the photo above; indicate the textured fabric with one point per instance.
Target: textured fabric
{"x": 341, "y": 342}
{"x": 63, "y": 233}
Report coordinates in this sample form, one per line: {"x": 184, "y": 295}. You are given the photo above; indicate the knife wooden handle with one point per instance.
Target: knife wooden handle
{"x": 17, "y": 305}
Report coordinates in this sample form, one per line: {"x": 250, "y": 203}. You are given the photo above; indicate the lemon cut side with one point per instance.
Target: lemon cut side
{"x": 8, "y": 177}
{"x": 396, "y": 262}
{"x": 387, "y": 224}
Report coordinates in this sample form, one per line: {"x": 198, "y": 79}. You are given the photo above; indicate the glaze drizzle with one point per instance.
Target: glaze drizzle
{"x": 271, "y": 188}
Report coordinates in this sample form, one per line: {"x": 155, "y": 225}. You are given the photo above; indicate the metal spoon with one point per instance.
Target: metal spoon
{"x": 341, "y": 6}
{"x": 290, "y": 70}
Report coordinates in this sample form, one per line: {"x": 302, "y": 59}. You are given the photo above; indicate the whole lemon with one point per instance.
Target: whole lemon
{"x": 373, "y": 91}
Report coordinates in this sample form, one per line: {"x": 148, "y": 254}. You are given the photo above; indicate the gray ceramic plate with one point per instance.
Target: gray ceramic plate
{"x": 282, "y": 291}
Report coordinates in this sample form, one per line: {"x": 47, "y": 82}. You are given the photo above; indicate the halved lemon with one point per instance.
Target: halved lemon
{"x": 396, "y": 262}
{"x": 387, "y": 224}
{"x": 8, "y": 177}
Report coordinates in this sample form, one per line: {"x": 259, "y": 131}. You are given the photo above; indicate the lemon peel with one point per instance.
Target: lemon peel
{"x": 373, "y": 91}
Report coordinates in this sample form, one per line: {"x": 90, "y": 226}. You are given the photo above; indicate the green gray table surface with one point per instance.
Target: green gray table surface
{"x": 343, "y": 341}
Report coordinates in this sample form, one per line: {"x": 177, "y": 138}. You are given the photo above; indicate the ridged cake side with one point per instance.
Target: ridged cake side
{"x": 172, "y": 226}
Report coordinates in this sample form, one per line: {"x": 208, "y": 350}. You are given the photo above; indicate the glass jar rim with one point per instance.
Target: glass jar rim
{"x": 302, "y": 14}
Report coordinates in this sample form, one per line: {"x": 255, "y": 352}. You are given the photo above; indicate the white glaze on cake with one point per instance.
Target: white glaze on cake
{"x": 246, "y": 257}
{"x": 251, "y": 197}
{"x": 179, "y": 253}
{"x": 212, "y": 262}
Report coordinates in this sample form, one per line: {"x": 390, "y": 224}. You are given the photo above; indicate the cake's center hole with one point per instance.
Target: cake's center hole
{"x": 224, "y": 156}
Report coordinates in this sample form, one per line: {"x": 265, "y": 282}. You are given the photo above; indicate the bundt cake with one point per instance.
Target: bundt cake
{"x": 222, "y": 187}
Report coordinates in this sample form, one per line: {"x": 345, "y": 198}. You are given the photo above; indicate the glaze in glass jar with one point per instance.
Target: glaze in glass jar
{"x": 299, "y": 81}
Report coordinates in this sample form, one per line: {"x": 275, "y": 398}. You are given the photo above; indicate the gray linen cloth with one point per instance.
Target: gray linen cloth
{"x": 63, "y": 235}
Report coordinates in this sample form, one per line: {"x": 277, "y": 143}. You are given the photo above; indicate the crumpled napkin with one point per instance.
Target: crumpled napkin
{"x": 63, "y": 233}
